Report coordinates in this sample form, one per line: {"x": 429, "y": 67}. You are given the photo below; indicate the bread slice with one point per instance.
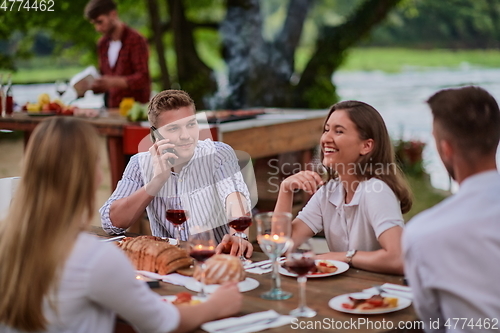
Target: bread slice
{"x": 175, "y": 265}
{"x": 153, "y": 254}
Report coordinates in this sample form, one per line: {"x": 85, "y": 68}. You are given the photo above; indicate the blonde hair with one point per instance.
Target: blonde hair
{"x": 168, "y": 100}
{"x": 371, "y": 125}
{"x": 53, "y": 203}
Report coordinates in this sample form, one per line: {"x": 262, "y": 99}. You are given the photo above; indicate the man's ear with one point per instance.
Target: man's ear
{"x": 113, "y": 14}
{"x": 447, "y": 149}
{"x": 367, "y": 147}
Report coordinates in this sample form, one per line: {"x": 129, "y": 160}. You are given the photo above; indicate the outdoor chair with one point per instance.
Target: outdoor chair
{"x": 8, "y": 187}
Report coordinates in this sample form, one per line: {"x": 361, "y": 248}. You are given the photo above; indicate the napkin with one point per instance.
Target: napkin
{"x": 177, "y": 279}
{"x": 394, "y": 289}
{"x": 174, "y": 278}
{"x": 254, "y": 322}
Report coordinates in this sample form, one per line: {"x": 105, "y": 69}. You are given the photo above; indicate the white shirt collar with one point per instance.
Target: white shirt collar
{"x": 479, "y": 181}
{"x": 337, "y": 197}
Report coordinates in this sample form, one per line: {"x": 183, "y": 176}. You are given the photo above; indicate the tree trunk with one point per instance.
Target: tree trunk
{"x": 156, "y": 28}
{"x": 193, "y": 75}
{"x": 315, "y": 88}
{"x": 260, "y": 71}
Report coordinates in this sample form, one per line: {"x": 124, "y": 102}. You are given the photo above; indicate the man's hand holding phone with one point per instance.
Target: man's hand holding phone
{"x": 163, "y": 154}
{"x": 163, "y": 157}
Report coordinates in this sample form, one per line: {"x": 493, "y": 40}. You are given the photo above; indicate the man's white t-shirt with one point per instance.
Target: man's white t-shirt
{"x": 113, "y": 51}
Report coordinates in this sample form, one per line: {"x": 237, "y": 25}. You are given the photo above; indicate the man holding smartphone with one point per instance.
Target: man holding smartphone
{"x": 203, "y": 175}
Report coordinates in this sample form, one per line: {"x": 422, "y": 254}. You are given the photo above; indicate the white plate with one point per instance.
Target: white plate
{"x": 246, "y": 285}
{"x": 172, "y": 298}
{"x": 341, "y": 268}
{"x": 336, "y": 304}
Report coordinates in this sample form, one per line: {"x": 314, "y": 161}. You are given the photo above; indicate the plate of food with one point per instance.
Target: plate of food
{"x": 366, "y": 303}
{"x": 183, "y": 298}
{"x": 324, "y": 268}
{"x": 245, "y": 285}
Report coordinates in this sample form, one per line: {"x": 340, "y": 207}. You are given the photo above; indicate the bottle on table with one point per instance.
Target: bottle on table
{"x": 9, "y": 98}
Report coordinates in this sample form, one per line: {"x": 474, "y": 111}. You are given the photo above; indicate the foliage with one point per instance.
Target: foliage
{"x": 409, "y": 156}
{"x": 424, "y": 195}
{"x": 181, "y": 34}
{"x": 444, "y": 24}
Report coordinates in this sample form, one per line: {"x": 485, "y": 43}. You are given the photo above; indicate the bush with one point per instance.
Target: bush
{"x": 409, "y": 157}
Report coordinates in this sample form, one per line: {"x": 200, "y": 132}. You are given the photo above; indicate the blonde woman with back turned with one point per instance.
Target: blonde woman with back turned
{"x": 54, "y": 276}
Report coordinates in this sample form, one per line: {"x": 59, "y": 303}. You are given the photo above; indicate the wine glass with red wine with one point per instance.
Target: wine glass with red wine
{"x": 201, "y": 247}
{"x": 301, "y": 261}
{"x": 176, "y": 215}
{"x": 239, "y": 218}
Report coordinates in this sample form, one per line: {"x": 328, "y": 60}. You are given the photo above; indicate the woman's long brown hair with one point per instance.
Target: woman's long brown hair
{"x": 381, "y": 161}
{"x": 53, "y": 203}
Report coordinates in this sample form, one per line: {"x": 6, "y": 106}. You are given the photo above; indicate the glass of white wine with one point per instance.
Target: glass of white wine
{"x": 274, "y": 237}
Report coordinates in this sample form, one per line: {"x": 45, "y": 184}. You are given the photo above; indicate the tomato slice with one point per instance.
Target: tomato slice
{"x": 375, "y": 302}
{"x": 347, "y": 306}
{"x": 183, "y": 297}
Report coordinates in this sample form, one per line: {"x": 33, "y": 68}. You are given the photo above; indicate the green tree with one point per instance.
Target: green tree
{"x": 449, "y": 24}
{"x": 261, "y": 66}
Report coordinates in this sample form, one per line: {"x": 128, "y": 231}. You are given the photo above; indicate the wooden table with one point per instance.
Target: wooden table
{"x": 319, "y": 292}
{"x": 278, "y": 132}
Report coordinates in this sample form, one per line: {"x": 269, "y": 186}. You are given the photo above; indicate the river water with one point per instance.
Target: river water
{"x": 399, "y": 97}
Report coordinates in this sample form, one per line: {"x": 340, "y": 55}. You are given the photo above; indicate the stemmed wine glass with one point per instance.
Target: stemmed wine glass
{"x": 61, "y": 87}
{"x": 274, "y": 232}
{"x": 201, "y": 247}
{"x": 239, "y": 218}
{"x": 176, "y": 215}
{"x": 301, "y": 261}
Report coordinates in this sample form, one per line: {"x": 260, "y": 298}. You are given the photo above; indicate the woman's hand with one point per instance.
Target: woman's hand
{"x": 227, "y": 299}
{"x": 231, "y": 244}
{"x": 308, "y": 181}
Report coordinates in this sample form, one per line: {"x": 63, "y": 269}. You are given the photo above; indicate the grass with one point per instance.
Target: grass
{"x": 398, "y": 59}
{"x": 43, "y": 75}
{"x": 424, "y": 195}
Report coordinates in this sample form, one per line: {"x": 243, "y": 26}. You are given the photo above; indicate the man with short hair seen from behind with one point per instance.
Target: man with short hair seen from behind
{"x": 452, "y": 250}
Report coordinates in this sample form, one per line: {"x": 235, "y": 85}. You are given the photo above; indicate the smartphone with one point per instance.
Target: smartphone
{"x": 155, "y": 135}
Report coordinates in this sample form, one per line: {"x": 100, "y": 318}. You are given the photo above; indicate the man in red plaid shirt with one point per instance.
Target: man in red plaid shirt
{"x": 123, "y": 56}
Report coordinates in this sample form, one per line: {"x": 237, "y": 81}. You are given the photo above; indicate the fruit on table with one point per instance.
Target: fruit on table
{"x": 125, "y": 105}
{"x": 43, "y": 99}
{"x": 45, "y": 105}
{"x": 33, "y": 107}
